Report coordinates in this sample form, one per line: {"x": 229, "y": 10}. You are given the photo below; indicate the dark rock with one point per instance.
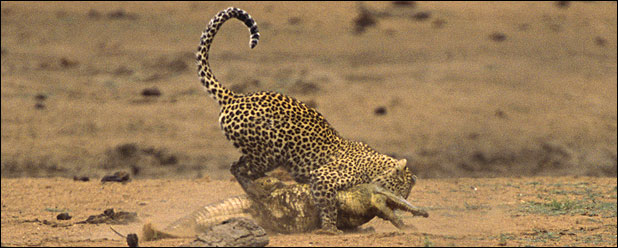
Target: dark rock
{"x": 63, "y": 216}
{"x": 497, "y": 36}
{"x": 132, "y": 240}
{"x": 39, "y": 105}
{"x": 121, "y": 14}
{"x": 600, "y": 41}
{"x": 563, "y": 4}
{"x": 40, "y": 97}
{"x": 406, "y": 4}
{"x": 83, "y": 179}
{"x": 67, "y": 63}
{"x": 364, "y": 20}
{"x": 421, "y": 16}
{"x": 154, "y": 92}
{"x": 94, "y": 14}
{"x": 110, "y": 217}
{"x": 380, "y": 110}
{"x": 500, "y": 114}
{"x": 119, "y": 176}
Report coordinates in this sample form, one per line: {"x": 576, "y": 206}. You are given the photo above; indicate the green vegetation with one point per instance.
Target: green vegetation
{"x": 502, "y": 239}
{"x": 590, "y": 207}
{"x": 427, "y": 242}
{"x": 476, "y": 206}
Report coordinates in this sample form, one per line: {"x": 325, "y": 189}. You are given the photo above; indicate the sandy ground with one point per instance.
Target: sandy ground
{"x": 532, "y": 211}
{"x": 519, "y": 92}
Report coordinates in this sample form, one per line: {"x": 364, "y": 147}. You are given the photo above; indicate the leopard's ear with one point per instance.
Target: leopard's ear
{"x": 401, "y": 164}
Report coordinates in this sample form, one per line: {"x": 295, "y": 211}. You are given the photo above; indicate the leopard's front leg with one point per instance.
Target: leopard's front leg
{"x": 325, "y": 182}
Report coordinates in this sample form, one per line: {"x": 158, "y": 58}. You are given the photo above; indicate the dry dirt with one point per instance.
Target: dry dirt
{"x": 531, "y": 211}
{"x": 516, "y": 99}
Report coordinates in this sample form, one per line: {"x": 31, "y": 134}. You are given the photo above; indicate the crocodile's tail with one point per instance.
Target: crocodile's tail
{"x": 201, "y": 219}
{"x": 210, "y": 83}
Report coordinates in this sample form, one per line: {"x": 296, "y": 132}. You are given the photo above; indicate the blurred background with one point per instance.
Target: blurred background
{"x": 460, "y": 89}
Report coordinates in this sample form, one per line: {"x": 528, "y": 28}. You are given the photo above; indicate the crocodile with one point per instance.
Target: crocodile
{"x": 289, "y": 208}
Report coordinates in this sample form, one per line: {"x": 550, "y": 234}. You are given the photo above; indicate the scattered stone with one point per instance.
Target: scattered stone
{"x": 63, "y": 216}
{"x": 380, "y": 110}
{"x": 83, "y": 178}
{"x": 421, "y": 16}
{"x": 363, "y": 20}
{"x": 94, "y": 14}
{"x": 110, "y": 217}
{"x": 154, "y": 91}
{"x": 39, "y": 106}
{"x": 132, "y": 240}
{"x": 562, "y": 4}
{"x": 119, "y": 176}
{"x": 121, "y": 14}
{"x": 40, "y": 97}
{"x": 600, "y": 41}
{"x": 405, "y": 4}
{"x": 497, "y": 36}
{"x": 500, "y": 114}
{"x": 67, "y": 63}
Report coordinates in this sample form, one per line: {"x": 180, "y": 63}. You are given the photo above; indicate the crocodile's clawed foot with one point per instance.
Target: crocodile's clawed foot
{"x": 329, "y": 231}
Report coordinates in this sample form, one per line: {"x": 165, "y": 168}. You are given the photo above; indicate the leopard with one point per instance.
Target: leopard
{"x": 273, "y": 130}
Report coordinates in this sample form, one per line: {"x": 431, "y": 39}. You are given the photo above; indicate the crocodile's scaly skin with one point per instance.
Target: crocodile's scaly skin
{"x": 290, "y": 209}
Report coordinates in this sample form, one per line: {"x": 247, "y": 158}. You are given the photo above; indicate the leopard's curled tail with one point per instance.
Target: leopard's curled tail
{"x": 221, "y": 94}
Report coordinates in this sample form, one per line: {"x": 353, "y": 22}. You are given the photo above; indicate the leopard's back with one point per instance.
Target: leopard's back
{"x": 277, "y": 130}
{"x": 272, "y": 130}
